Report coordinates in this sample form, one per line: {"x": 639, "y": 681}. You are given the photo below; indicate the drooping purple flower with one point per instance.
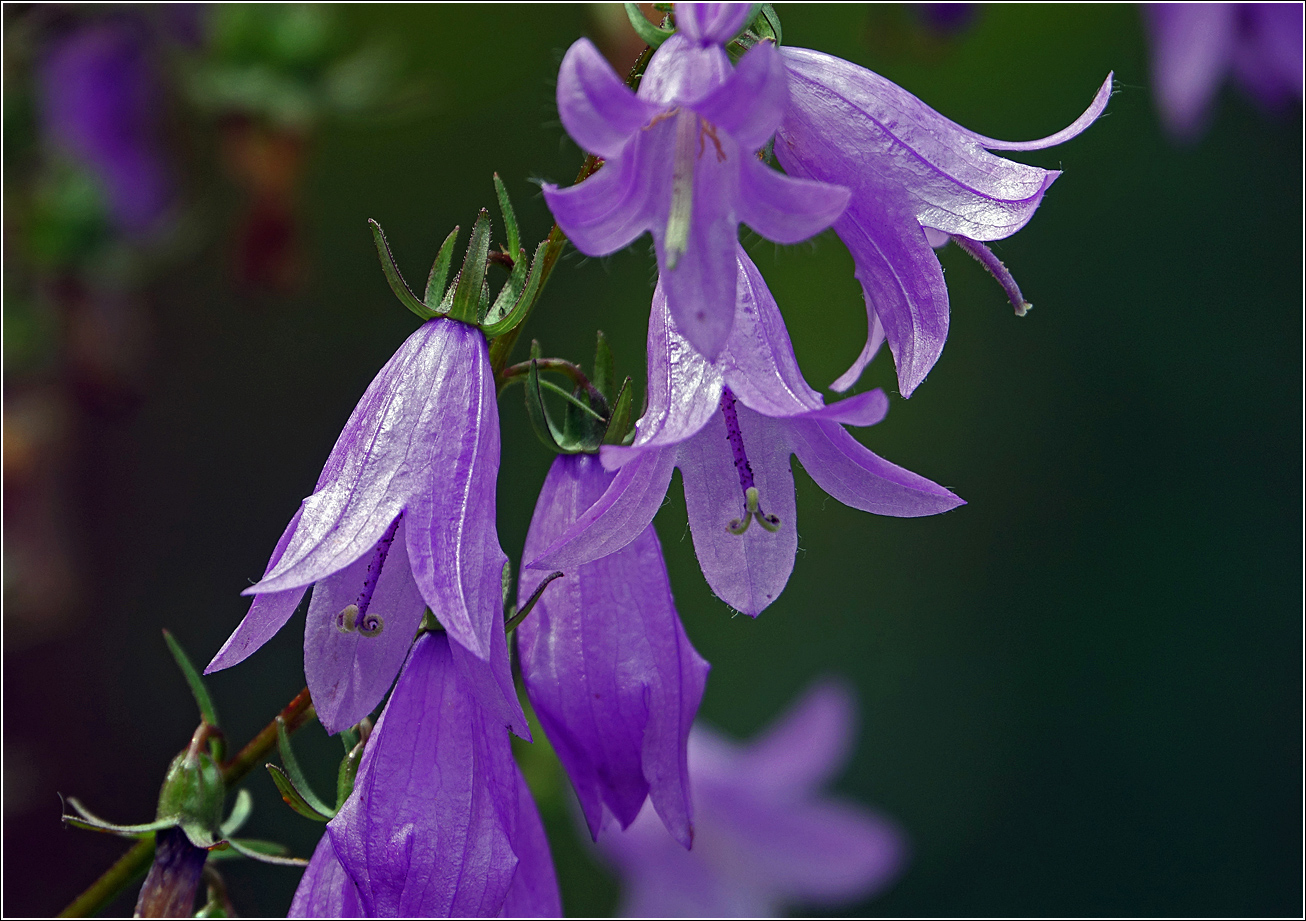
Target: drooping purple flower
{"x": 730, "y": 425}
{"x": 608, "y": 668}
{"x": 912, "y": 172}
{"x": 100, "y": 103}
{"x": 402, "y": 519}
{"x": 767, "y": 836}
{"x": 679, "y": 162}
{"x": 440, "y": 823}
{"x": 1194, "y": 45}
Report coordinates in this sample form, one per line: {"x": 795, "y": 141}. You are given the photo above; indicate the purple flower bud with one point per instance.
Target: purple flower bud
{"x": 440, "y": 823}
{"x": 731, "y": 425}
{"x": 767, "y": 837}
{"x": 402, "y": 519}
{"x": 609, "y": 670}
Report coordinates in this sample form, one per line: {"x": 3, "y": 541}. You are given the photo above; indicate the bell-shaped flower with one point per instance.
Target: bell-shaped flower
{"x": 679, "y": 162}
{"x": 730, "y": 425}
{"x": 606, "y": 663}
{"x": 440, "y": 823}
{"x": 913, "y": 174}
{"x": 767, "y": 836}
{"x": 1195, "y": 45}
{"x": 402, "y": 519}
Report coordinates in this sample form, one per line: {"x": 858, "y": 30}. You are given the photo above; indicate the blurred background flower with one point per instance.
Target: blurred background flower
{"x": 1089, "y": 673}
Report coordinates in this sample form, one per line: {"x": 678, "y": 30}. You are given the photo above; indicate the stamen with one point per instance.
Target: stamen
{"x": 752, "y": 496}
{"x": 682, "y": 192}
{"x": 708, "y": 130}
{"x": 984, "y": 256}
{"x": 355, "y": 616}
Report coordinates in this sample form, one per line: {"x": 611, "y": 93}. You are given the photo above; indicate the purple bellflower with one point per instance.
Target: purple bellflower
{"x": 730, "y": 425}
{"x": 100, "y": 103}
{"x": 679, "y": 162}
{"x": 767, "y": 837}
{"x": 402, "y": 518}
{"x": 608, "y": 668}
{"x": 440, "y": 823}
{"x": 917, "y": 180}
{"x": 1195, "y": 44}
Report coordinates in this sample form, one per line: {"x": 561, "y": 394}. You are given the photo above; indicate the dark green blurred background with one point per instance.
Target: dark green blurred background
{"x": 1080, "y": 693}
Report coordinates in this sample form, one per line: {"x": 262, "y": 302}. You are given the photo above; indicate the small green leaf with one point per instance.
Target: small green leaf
{"x": 651, "y": 34}
{"x": 509, "y": 218}
{"x": 207, "y": 711}
{"x": 293, "y": 798}
{"x": 440, "y": 272}
{"x": 525, "y": 301}
{"x": 619, "y": 420}
{"x": 605, "y": 373}
{"x": 471, "y": 279}
{"x": 392, "y": 276}
{"x": 348, "y": 771}
{"x": 294, "y": 772}
{"x": 244, "y": 805}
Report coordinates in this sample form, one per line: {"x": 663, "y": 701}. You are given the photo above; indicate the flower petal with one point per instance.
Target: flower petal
{"x": 534, "y": 890}
{"x": 859, "y": 479}
{"x": 384, "y": 456}
{"x": 598, "y": 110}
{"x": 325, "y": 890}
{"x": 806, "y": 747}
{"x": 751, "y": 102}
{"x": 1074, "y": 129}
{"x": 747, "y": 571}
{"x": 902, "y": 283}
{"x": 608, "y": 667}
{"x": 348, "y": 673}
{"x": 620, "y": 515}
{"x": 607, "y": 211}
{"x": 1192, "y": 47}
{"x": 874, "y": 339}
{"x": 490, "y": 682}
{"x": 711, "y": 22}
{"x": 784, "y": 208}
{"x": 427, "y": 830}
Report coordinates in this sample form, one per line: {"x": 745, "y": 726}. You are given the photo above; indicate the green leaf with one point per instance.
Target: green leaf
{"x": 294, "y": 772}
{"x": 348, "y": 771}
{"x": 207, "y": 711}
{"x": 392, "y": 276}
{"x": 619, "y": 420}
{"x": 293, "y": 798}
{"x": 509, "y": 218}
{"x": 525, "y": 301}
{"x": 471, "y": 279}
{"x": 605, "y": 374}
{"x": 244, "y": 805}
{"x": 651, "y": 34}
{"x": 440, "y": 271}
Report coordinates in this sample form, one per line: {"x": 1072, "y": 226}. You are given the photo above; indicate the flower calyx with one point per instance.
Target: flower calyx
{"x": 466, "y": 298}
{"x": 293, "y": 785}
{"x": 596, "y": 411}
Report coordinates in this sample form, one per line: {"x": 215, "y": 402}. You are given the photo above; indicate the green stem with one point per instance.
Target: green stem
{"x": 132, "y": 865}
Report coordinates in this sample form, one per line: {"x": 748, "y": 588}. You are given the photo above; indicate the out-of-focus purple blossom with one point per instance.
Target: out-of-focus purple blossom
{"x": 730, "y": 425}
{"x": 402, "y": 518}
{"x": 911, "y": 171}
{"x": 1194, "y": 45}
{"x": 767, "y": 836}
{"x": 609, "y": 670}
{"x": 946, "y": 18}
{"x": 440, "y": 823}
{"x": 679, "y": 162}
{"x": 100, "y": 102}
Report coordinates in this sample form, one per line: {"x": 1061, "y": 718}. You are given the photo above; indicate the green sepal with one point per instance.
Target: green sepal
{"x": 582, "y": 423}
{"x": 469, "y": 290}
{"x": 348, "y": 771}
{"x": 294, "y": 798}
{"x": 620, "y": 418}
{"x": 440, "y": 272}
{"x": 239, "y": 813}
{"x": 266, "y": 848}
{"x": 525, "y": 299}
{"x": 510, "y": 293}
{"x": 392, "y": 276}
{"x": 92, "y": 822}
{"x": 259, "y": 852}
{"x": 515, "y": 617}
{"x": 651, "y": 34}
{"x": 509, "y": 217}
{"x": 208, "y": 712}
{"x": 296, "y": 775}
{"x": 192, "y": 796}
{"x": 535, "y": 411}
{"x": 605, "y": 372}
